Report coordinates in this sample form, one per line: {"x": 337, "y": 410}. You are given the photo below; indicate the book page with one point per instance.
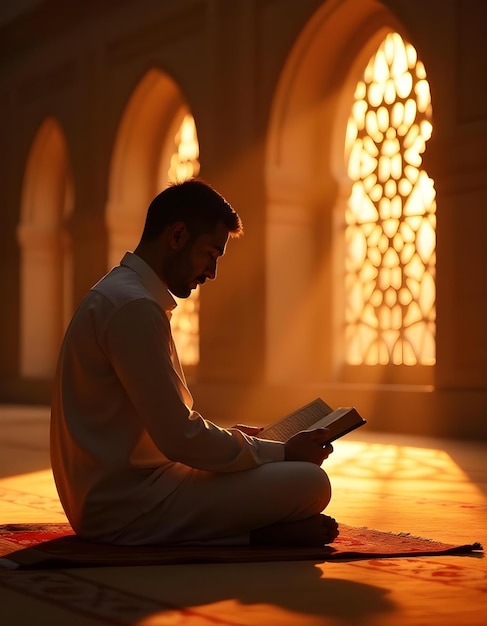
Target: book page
{"x": 299, "y": 420}
{"x": 316, "y": 414}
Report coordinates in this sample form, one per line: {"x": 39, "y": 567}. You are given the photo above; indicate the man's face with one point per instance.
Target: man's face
{"x": 195, "y": 261}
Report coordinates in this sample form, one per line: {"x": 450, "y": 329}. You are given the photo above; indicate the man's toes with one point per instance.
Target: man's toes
{"x": 330, "y": 527}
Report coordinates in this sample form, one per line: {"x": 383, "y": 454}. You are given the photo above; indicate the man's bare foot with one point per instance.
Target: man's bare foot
{"x": 317, "y": 530}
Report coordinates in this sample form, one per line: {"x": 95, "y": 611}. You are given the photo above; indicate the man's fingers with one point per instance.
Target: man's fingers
{"x": 327, "y": 450}
{"x": 318, "y": 434}
{"x": 309, "y": 445}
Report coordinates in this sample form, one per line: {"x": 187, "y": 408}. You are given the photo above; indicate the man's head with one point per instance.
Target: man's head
{"x": 186, "y": 231}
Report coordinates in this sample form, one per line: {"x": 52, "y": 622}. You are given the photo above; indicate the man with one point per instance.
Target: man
{"x": 133, "y": 463}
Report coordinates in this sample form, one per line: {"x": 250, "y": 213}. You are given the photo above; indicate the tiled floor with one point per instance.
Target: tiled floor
{"x": 430, "y": 488}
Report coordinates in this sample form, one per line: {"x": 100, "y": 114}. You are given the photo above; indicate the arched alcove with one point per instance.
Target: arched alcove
{"x": 308, "y": 190}
{"x": 46, "y": 273}
{"x": 135, "y": 169}
{"x": 156, "y": 144}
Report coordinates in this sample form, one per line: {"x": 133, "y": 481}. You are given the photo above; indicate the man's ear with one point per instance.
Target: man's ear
{"x": 178, "y": 235}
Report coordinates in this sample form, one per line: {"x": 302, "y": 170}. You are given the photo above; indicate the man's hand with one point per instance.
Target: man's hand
{"x": 249, "y": 430}
{"x": 308, "y": 445}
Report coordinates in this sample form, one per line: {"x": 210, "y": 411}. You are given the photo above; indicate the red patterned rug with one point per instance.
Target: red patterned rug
{"x": 40, "y": 546}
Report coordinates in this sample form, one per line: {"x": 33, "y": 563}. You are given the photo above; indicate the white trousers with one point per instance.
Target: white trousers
{"x": 223, "y": 509}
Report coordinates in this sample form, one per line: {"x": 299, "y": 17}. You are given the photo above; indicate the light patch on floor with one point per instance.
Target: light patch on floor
{"x": 430, "y": 488}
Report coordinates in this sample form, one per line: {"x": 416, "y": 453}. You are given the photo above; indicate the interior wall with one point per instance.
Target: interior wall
{"x": 82, "y": 69}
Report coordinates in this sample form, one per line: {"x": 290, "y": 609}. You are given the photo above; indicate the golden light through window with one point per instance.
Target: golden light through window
{"x": 185, "y": 319}
{"x": 184, "y": 161}
{"x": 390, "y": 218}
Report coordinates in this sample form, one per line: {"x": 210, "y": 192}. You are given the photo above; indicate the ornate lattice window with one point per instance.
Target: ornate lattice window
{"x": 184, "y": 164}
{"x": 390, "y": 218}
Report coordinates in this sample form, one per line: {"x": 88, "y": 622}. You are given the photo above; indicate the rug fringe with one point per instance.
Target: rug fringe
{"x": 474, "y": 546}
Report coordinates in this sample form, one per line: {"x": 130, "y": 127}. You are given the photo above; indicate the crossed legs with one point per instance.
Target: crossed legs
{"x": 275, "y": 503}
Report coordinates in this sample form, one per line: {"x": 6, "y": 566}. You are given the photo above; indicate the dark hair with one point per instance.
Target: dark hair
{"x": 193, "y": 202}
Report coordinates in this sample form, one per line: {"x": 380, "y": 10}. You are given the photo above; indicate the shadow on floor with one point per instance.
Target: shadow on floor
{"x": 298, "y": 587}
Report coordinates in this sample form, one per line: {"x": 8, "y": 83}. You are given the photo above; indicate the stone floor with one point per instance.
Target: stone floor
{"x": 427, "y": 487}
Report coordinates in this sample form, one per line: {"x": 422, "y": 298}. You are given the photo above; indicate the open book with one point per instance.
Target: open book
{"x": 316, "y": 414}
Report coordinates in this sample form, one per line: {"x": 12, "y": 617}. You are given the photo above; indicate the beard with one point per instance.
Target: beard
{"x": 180, "y": 291}
{"x": 179, "y": 274}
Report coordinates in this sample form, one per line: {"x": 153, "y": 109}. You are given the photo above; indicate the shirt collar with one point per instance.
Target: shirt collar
{"x": 150, "y": 280}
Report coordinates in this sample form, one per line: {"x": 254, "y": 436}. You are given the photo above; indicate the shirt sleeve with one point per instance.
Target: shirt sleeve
{"x": 138, "y": 341}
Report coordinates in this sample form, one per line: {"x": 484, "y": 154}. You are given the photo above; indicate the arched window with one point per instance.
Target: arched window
{"x": 390, "y": 217}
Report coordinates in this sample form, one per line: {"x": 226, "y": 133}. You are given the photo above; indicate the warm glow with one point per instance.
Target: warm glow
{"x": 184, "y": 161}
{"x": 185, "y": 328}
{"x": 185, "y": 318}
{"x": 356, "y": 465}
{"x": 365, "y": 467}
{"x": 390, "y": 233}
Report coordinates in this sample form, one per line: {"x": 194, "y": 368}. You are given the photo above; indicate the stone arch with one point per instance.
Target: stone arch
{"x": 43, "y": 236}
{"x": 142, "y": 161}
{"x": 306, "y": 187}
{"x": 154, "y": 110}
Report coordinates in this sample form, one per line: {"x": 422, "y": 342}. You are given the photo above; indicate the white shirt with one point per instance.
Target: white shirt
{"x": 123, "y": 432}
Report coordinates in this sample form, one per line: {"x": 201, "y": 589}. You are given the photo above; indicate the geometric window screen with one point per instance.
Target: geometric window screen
{"x": 184, "y": 164}
{"x": 390, "y": 226}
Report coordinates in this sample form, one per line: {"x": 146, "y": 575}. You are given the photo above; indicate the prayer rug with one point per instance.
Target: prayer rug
{"x": 40, "y": 546}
